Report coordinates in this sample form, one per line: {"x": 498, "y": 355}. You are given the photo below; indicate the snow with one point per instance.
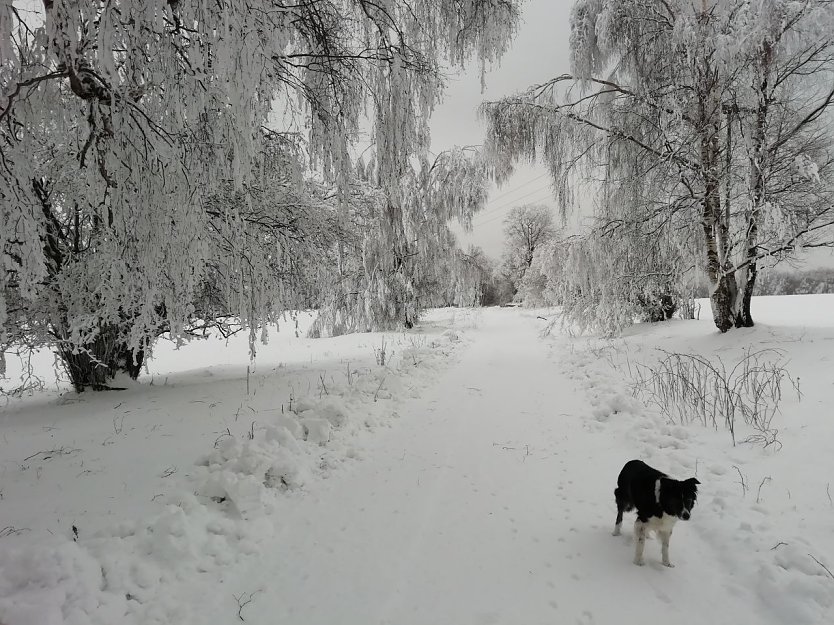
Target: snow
{"x": 470, "y": 480}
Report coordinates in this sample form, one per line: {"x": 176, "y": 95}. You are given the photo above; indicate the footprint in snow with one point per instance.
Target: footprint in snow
{"x": 663, "y": 596}
{"x": 586, "y": 619}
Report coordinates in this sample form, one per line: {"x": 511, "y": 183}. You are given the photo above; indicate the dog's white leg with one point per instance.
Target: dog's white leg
{"x": 639, "y": 542}
{"x": 616, "y": 531}
{"x": 664, "y": 548}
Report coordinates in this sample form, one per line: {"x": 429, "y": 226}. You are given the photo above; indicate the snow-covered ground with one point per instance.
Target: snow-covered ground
{"x": 469, "y": 480}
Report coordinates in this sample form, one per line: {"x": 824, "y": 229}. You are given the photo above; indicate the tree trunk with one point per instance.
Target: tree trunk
{"x": 405, "y": 300}
{"x": 723, "y": 288}
{"x": 757, "y": 181}
{"x": 722, "y": 301}
{"x": 744, "y": 319}
{"x": 715, "y": 222}
{"x": 94, "y": 365}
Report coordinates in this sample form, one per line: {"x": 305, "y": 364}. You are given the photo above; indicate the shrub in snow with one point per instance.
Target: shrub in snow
{"x": 692, "y": 387}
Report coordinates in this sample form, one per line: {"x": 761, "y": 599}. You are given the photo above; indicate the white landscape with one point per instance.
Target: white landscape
{"x": 468, "y": 480}
{"x": 356, "y": 312}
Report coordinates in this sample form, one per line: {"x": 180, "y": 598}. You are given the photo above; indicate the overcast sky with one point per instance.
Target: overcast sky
{"x": 539, "y": 52}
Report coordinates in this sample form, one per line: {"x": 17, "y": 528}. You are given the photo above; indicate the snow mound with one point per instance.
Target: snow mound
{"x": 215, "y": 515}
{"x": 38, "y": 583}
{"x": 238, "y": 473}
{"x": 316, "y": 430}
{"x": 332, "y": 409}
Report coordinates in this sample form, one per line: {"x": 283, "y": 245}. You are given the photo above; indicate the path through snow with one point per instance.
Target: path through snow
{"x": 489, "y": 502}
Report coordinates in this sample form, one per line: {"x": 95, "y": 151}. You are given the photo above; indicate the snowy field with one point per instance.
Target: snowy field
{"x": 467, "y": 480}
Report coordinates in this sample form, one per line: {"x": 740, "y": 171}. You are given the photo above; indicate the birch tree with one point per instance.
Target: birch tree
{"x": 135, "y": 136}
{"x": 691, "y": 113}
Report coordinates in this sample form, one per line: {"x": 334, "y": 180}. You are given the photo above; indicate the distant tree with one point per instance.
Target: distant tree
{"x": 800, "y": 281}
{"x": 492, "y": 291}
{"x": 526, "y": 228}
{"x": 401, "y": 254}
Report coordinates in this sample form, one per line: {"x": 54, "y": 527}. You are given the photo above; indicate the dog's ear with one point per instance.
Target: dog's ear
{"x": 693, "y": 480}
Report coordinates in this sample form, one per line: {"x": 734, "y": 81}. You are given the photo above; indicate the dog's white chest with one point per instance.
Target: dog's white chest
{"x": 662, "y": 524}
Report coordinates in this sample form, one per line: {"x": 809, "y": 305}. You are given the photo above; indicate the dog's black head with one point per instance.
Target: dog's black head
{"x": 678, "y": 498}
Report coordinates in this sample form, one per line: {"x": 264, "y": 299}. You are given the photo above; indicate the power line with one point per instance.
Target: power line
{"x": 496, "y": 218}
{"x": 514, "y": 200}
{"x": 511, "y": 202}
{"x": 521, "y": 186}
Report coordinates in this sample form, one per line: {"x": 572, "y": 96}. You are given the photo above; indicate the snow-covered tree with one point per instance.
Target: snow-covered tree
{"x": 403, "y": 249}
{"x": 709, "y": 113}
{"x": 493, "y": 289}
{"x": 133, "y": 138}
{"x": 526, "y": 228}
{"x": 613, "y": 276}
{"x": 464, "y": 279}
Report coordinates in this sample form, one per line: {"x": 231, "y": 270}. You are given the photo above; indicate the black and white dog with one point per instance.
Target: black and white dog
{"x": 660, "y": 501}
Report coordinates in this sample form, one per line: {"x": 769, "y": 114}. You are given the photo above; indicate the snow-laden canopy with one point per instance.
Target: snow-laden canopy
{"x": 142, "y": 142}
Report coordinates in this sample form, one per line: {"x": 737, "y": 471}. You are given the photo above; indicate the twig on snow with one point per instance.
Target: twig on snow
{"x": 223, "y": 435}
{"x": 379, "y": 388}
{"x": 743, "y": 483}
{"x": 827, "y": 570}
{"x": 242, "y": 604}
{"x": 762, "y": 483}
{"x": 47, "y": 455}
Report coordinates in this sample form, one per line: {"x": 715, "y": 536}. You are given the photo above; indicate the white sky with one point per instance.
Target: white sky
{"x": 540, "y": 52}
